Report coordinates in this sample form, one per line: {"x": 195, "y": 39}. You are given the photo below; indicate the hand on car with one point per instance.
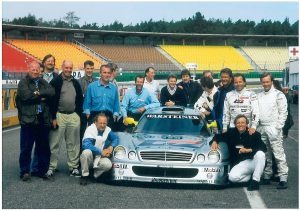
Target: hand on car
{"x": 214, "y": 146}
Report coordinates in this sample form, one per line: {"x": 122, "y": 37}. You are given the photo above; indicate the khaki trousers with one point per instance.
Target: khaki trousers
{"x": 69, "y": 130}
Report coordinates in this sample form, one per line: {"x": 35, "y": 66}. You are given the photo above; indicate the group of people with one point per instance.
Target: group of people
{"x": 87, "y": 112}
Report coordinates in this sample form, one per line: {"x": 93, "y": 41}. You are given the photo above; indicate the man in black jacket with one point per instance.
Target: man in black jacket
{"x": 246, "y": 152}
{"x": 33, "y": 97}
{"x": 66, "y": 108}
{"x": 192, "y": 89}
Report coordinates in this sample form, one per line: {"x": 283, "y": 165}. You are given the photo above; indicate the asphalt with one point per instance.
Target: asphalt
{"x": 65, "y": 191}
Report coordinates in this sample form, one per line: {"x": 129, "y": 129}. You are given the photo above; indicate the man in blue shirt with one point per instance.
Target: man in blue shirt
{"x": 102, "y": 97}
{"x": 97, "y": 144}
{"x": 138, "y": 100}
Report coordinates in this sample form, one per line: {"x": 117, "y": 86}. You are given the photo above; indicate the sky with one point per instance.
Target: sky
{"x": 133, "y": 12}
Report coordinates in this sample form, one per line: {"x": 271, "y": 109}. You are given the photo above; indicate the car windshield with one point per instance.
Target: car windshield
{"x": 171, "y": 124}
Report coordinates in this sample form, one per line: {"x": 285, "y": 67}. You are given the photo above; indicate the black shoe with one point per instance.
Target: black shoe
{"x": 282, "y": 185}
{"x": 35, "y": 174}
{"x": 25, "y": 177}
{"x": 265, "y": 181}
{"x": 83, "y": 181}
{"x": 275, "y": 179}
{"x": 253, "y": 185}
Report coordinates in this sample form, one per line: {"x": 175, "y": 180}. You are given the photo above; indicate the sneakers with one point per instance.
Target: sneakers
{"x": 75, "y": 173}
{"x": 265, "y": 181}
{"x": 253, "y": 185}
{"x": 49, "y": 175}
{"x": 282, "y": 185}
{"x": 25, "y": 177}
{"x": 83, "y": 181}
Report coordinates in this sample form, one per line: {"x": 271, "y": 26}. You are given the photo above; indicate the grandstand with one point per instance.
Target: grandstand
{"x": 209, "y": 57}
{"x": 268, "y": 58}
{"x": 61, "y": 51}
{"x": 134, "y": 57}
{"x": 14, "y": 60}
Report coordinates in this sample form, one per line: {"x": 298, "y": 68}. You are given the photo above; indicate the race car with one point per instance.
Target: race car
{"x": 170, "y": 145}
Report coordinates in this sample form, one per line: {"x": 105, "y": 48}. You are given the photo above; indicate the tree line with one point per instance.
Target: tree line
{"x": 195, "y": 24}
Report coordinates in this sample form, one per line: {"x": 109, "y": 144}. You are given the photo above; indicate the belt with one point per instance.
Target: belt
{"x": 66, "y": 112}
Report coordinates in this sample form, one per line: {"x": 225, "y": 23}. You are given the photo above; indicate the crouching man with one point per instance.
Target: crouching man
{"x": 247, "y": 153}
{"x": 97, "y": 144}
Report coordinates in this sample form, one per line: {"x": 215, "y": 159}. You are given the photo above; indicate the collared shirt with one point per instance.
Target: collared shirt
{"x": 132, "y": 101}
{"x": 152, "y": 86}
{"x": 101, "y": 97}
{"x": 84, "y": 82}
{"x": 48, "y": 76}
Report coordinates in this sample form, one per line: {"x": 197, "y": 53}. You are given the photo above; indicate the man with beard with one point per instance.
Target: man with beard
{"x": 136, "y": 101}
{"x": 49, "y": 65}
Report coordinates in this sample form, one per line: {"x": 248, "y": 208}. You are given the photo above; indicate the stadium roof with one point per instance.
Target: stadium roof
{"x": 41, "y": 29}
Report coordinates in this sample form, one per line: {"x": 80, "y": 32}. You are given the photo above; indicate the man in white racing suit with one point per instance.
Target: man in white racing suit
{"x": 240, "y": 101}
{"x": 273, "y": 113}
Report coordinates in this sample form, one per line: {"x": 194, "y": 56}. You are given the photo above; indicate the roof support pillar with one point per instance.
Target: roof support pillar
{"x": 65, "y": 37}
{"x": 26, "y": 35}
{"x": 203, "y": 42}
{"x": 183, "y": 41}
{"x": 163, "y": 41}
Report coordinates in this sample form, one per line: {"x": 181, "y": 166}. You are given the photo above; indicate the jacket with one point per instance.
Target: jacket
{"x": 57, "y": 83}
{"x": 192, "y": 91}
{"x": 233, "y": 138}
{"x": 272, "y": 108}
{"x": 240, "y": 102}
{"x": 27, "y": 102}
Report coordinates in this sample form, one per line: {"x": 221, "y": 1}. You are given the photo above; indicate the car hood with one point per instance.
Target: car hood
{"x": 141, "y": 142}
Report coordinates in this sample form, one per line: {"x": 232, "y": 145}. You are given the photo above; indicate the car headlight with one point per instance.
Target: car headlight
{"x": 119, "y": 152}
{"x": 214, "y": 156}
{"x": 131, "y": 155}
{"x": 200, "y": 158}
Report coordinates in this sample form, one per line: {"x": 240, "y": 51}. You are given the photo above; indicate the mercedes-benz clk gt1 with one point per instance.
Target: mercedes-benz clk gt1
{"x": 170, "y": 145}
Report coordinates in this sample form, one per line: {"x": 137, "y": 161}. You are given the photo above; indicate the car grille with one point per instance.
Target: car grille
{"x": 165, "y": 172}
{"x": 166, "y": 156}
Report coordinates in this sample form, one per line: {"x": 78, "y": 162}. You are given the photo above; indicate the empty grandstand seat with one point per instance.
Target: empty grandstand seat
{"x": 209, "y": 57}
{"x": 134, "y": 57}
{"x": 14, "y": 60}
{"x": 61, "y": 51}
{"x": 268, "y": 58}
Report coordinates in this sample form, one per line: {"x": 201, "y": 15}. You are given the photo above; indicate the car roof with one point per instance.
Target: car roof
{"x": 172, "y": 110}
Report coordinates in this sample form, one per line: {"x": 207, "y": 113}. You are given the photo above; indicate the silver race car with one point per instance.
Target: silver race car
{"x": 170, "y": 145}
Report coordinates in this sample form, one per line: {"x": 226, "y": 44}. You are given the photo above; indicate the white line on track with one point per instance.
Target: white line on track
{"x": 255, "y": 199}
{"x": 5, "y": 131}
{"x": 291, "y": 137}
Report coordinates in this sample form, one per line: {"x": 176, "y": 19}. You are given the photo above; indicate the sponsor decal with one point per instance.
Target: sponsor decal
{"x": 212, "y": 170}
{"x": 183, "y": 142}
{"x": 171, "y": 116}
{"x": 121, "y": 166}
{"x": 204, "y": 181}
{"x": 244, "y": 97}
{"x": 164, "y": 180}
{"x": 238, "y": 101}
{"x": 118, "y": 177}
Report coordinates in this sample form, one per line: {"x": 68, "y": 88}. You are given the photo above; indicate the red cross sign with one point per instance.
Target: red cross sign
{"x": 293, "y": 52}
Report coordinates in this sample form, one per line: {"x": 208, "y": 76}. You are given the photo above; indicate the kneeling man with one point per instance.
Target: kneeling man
{"x": 97, "y": 144}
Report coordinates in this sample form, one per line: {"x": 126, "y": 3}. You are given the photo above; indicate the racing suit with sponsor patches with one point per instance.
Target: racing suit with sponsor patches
{"x": 240, "y": 102}
{"x": 273, "y": 113}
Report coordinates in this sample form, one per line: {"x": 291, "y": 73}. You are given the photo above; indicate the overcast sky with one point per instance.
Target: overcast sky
{"x": 136, "y": 11}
